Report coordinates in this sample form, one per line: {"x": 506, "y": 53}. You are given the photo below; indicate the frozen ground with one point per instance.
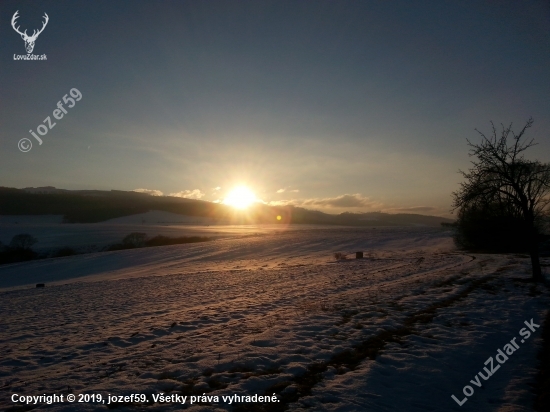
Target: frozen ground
{"x": 401, "y": 330}
{"x": 51, "y": 233}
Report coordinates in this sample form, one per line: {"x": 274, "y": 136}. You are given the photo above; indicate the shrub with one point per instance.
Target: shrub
{"x": 492, "y": 229}
{"x": 64, "y": 251}
{"x": 19, "y": 249}
{"x": 340, "y": 256}
{"x": 135, "y": 239}
{"x": 23, "y": 241}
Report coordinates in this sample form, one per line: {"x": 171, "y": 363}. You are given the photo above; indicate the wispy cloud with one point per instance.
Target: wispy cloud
{"x": 151, "y": 192}
{"x": 414, "y": 209}
{"x": 285, "y": 189}
{"x": 189, "y": 194}
{"x": 343, "y": 201}
{"x": 356, "y": 201}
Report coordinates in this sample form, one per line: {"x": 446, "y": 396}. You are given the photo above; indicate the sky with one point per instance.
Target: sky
{"x": 336, "y": 106}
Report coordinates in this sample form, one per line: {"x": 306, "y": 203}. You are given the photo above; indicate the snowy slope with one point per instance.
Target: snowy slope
{"x": 403, "y": 329}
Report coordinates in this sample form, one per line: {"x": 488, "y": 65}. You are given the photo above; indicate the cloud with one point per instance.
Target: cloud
{"x": 291, "y": 202}
{"x": 339, "y": 202}
{"x": 414, "y": 209}
{"x": 151, "y": 192}
{"x": 216, "y": 188}
{"x": 355, "y": 203}
{"x": 355, "y": 200}
{"x": 189, "y": 194}
{"x": 285, "y": 189}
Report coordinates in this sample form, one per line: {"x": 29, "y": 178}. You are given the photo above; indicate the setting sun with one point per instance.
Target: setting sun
{"x": 241, "y": 197}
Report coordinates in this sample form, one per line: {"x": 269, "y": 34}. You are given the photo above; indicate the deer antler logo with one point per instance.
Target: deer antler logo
{"x": 29, "y": 40}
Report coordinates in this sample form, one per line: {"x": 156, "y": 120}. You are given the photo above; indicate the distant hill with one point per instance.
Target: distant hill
{"x": 91, "y": 206}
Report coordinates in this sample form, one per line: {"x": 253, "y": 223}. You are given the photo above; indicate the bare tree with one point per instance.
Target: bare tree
{"x": 502, "y": 176}
{"x": 22, "y": 242}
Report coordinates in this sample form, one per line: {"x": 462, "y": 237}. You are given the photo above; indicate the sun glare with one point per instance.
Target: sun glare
{"x": 241, "y": 197}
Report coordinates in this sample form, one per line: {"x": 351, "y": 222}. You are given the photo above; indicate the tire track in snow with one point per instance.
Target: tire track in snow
{"x": 351, "y": 358}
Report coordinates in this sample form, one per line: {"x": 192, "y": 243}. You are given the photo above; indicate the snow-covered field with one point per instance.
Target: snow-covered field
{"x": 52, "y": 234}
{"x": 272, "y": 311}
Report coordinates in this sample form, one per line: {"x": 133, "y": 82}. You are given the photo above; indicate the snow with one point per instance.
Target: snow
{"x": 255, "y": 311}
{"x": 51, "y": 233}
{"x": 158, "y": 216}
